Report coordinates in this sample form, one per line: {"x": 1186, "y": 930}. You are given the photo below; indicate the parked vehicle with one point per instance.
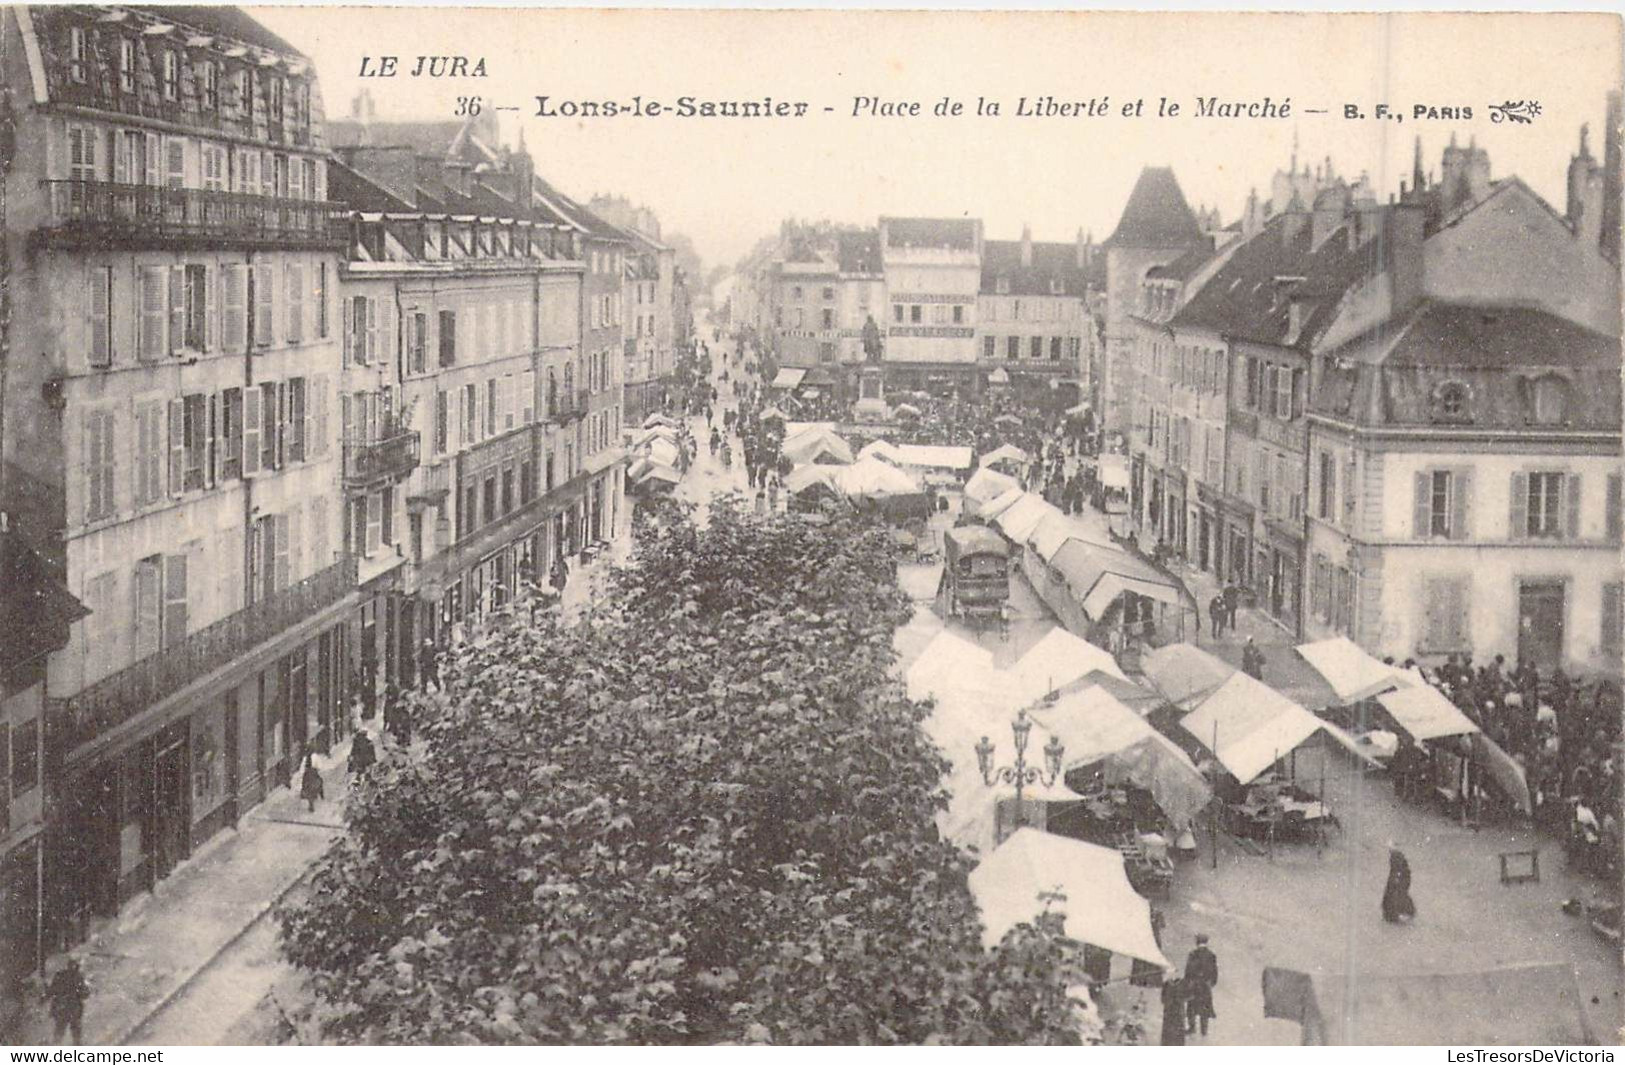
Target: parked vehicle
{"x": 975, "y": 580}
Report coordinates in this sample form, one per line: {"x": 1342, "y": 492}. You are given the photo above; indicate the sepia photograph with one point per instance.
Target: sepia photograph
{"x": 573, "y": 527}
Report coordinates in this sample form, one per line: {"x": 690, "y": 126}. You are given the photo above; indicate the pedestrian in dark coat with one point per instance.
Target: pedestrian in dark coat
{"x": 1216, "y": 614}
{"x": 399, "y": 721}
{"x": 1201, "y": 976}
{"x": 66, "y": 996}
{"x": 1396, "y": 897}
{"x": 311, "y": 787}
{"x": 1232, "y": 600}
{"x": 1173, "y": 1012}
{"x": 363, "y": 755}
{"x": 1252, "y": 660}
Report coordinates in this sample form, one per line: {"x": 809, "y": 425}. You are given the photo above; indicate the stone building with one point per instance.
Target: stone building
{"x": 1464, "y": 426}
{"x": 170, "y": 440}
{"x": 933, "y": 271}
{"x": 1034, "y": 326}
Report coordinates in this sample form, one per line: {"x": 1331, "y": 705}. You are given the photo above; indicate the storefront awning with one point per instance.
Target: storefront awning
{"x": 1426, "y": 714}
{"x": 789, "y": 377}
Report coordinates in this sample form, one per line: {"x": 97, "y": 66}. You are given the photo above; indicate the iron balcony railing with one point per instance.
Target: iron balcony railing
{"x": 370, "y": 462}
{"x": 125, "y": 694}
{"x": 106, "y": 208}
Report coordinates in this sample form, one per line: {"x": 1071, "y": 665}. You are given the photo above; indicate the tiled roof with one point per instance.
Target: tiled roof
{"x": 1184, "y": 267}
{"x": 360, "y": 193}
{"x": 1156, "y": 215}
{"x": 221, "y": 22}
{"x": 1050, "y": 262}
{"x": 1391, "y": 374}
{"x": 957, "y": 233}
{"x": 573, "y": 213}
{"x": 859, "y": 252}
{"x": 429, "y": 139}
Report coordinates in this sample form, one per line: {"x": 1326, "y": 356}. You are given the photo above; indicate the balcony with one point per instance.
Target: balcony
{"x": 132, "y": 690}
{"x": 374, "y": 462}
{"x": 570, "y": 405}
{"x": 103, "y": 213}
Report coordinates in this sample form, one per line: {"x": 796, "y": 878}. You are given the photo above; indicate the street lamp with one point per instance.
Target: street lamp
{"x": 1021, "y": 774}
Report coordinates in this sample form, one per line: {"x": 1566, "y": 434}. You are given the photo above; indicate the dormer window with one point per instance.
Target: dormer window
{"x": 1549, "y": 400}
{"x": 172, "y": 76}
{"x": 1452, "y": 402}
{"x": 209, "y": 78}
{"x": 126, "y": 64}
{"x": 1056, "y": 288}
{"x": 1002, "y": 285}
{"x": 76, "y": 54}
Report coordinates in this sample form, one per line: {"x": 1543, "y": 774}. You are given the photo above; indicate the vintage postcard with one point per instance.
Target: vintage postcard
{"x": 650, "y": 527}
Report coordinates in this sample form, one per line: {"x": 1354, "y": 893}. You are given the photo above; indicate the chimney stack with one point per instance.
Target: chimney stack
{"x": 1403, "y": 255}
{"x": 1026, "y": 246}
{"x": 1082, "y": 253}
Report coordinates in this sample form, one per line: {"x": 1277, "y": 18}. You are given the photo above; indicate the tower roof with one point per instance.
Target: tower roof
{"x": 1156, "y": 215}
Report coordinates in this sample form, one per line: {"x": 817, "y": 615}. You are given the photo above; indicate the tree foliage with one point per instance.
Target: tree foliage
{"x": 705, "y": 814}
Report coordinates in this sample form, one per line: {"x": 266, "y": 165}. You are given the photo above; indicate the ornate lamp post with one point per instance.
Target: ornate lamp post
{"x": 1021, "y": 774}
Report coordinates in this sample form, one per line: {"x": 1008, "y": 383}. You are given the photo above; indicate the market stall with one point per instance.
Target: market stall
{"x": 1184, "y": 674}
{"x": 1350, "y": 672}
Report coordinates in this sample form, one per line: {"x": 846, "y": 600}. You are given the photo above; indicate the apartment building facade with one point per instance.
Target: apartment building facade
{"x": 174, "y": 450}
{"x": 1035, "y": 329}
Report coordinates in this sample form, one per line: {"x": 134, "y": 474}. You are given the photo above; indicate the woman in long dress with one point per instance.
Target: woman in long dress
{"x": 1396, "y": 897}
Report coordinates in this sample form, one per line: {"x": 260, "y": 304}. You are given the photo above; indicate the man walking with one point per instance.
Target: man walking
{"x": 1232, "y": 600}
{"x": 1201, "y": 976}
{"x": 1216, "y": 615}
{"x": 1252, "y": 660}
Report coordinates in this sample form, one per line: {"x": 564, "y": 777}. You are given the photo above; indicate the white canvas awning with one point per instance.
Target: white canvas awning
{"x": 1184, "y": 674}
{"x": 789, "y": 377}
{"x": 1018, "y": 522}
{"x": 1352, "y": 674}
{"x": 1112, "y": 585}
{"x": 1425, "y": 713}
{"x": 1255, "y": 726}
{"x": 996, "y": 506}
{"x": 935, "y": 456}
{"x": 872, "y": 477}
{"x": 947, "y": 661}
{"x": 1087, "y": 883}
{"x": 1004, "y": 453}
{"x": 1056, "y": 661}
{"x": 985, "y": 484}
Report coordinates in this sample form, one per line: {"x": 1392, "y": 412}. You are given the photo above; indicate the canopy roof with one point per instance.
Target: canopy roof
{"x": 872, "y": 477}
{"x": 1516, "y": 1005}
{"x": 1019, "y": 521}
{"x": 803, "y": 477}
{"x": 1425, "y": 713}
{"x": 881, "y": 449}
{"x": 817, "y": 443}
{"x": 1098, "y": 575}
{"x": 663, "y": 452}
{"x": 772, "y": 413}
{"x": 1101, "y": 907}
{"x": 946, "y": 661}
{"x": 1004, "y": 453}
{"x": 973, "y": 539}
{"x": 996, "y": 506}
{"x": 1096, "y": 727}
{"x": 1352, "y": 674}
{"x": 1056, "y": 529}
{"x": 1056, "y": 661}
{"x": 938, "y": 456}
{"x": 987, "y": 484}
{"x": 1255, "y": 726}
{"x": 1184, "y": 674}
{"x": 789, "y": 377}
{"x": 659, "y": 419}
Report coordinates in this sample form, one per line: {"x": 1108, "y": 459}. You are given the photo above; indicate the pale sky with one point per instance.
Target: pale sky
{"x": 727, "y": 182}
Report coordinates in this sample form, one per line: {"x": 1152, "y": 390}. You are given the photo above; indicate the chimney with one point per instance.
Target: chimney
{"x": 524, "y": 170}
{"x": 1402, "y": 255}
{"x": 1453, "y": 176}
{"x": 1477, "y": 175}
{"x": 1027, "y": 246}
{"x": 1082, "y": 253}
{"x": 1330, "y": 207}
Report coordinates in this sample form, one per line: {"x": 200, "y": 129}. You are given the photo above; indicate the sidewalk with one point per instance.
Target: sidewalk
{"x": 149, "y": 954}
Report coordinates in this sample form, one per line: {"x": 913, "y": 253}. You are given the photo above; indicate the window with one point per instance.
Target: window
{"x": 234, "y": 324}
{"x": 271, "y": 413}
{"x": 1442, "y": 500}
{"x": 795, "y": 293}
{"x": 1444, "y": 614}
{"x": 492, "y": 407}
{"x": 356, "y": 333}
{"x": 126, "y": 64}
{"x": 24, "y": 756}
{"x": 489, "y": 499}
{"x": 209, "y": 79}
{"x": 1612, "y": 518}
{"x": 175, "y": 162}
{"x": 527, "y": 481}
{"x": 442, "y": 423}
{"x": 1612, "y": 622}
{"x": 990, "y": 347}
{"x": 507, "y": 490}
{"x": 99, "y": 305}
{"x": 1253, "y": 384}
{"x": 296, "y": 425}
{"x": 213, "y": 159}
{"x": 1545, "y": 504}
{"x": 188, "y": 442}
{"x": 829, "y": 294}
{"x": 98, "y": 464}
{"x": 897, "y": 312}
{"x": 1549, "y": 399}
{"x": 471, "y": 412}
{"x": 1012, "y": 347}
{"x": 1055, "y": 349}
{"x": 76, "y": 54}
{"x": 231, "y": 432}
{"x": 278, "y": 114}
{"x": 417, "y": 342}
{"x": 1450, "y": 402}
{"x": 527, "y": 397}
{"x": 1326, "y": 508}
{"x": 148, "y": 619}
{"x": 172, "y": 76}
{"x": 448, "y": 338}
{"x": 828, "y": 318}
{"x": 1035, "y": 347}
{"x": 916, "y": 313}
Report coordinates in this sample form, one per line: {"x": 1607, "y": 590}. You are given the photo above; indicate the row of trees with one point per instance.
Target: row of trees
{"x": 705, "y": 814}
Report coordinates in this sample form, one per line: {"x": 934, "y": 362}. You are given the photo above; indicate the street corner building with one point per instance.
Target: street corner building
{"x": 1396, "y": 421}
{"x": 285, "y": 403}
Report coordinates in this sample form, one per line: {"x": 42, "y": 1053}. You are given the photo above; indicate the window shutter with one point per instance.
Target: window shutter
{"x": 153, "y": 145}
{"x": 100, "y": 349}
{"x": 316, "y": 430}
{"x": 1461, "y": 504}
{"x": 1571, "y": 504}
{"x": 346, "y": 330}
{"x": 296, "y": 559}
{"x": 1519, "y": 521}
{"x": 264, "y": 279}
{"x": 373, "y": 352}
{"x": 231, "y": 327}
{"x": 280, "y": 404}
{"x": 211, "y": 461}
{"x": 177, "y": 446}
{"x": 1614, "y": 517}
{"x": 150, "y": 337}
{"x": 281, "y": 562}
{"x": 375, "y": 522}
{"x": 147, "y": 608}
{"x": 252, "y": 417}
{"x": 174, "y": 600}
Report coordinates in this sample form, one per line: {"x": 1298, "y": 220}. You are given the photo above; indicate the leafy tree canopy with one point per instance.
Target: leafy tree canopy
{"x": 705, "y": 814}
